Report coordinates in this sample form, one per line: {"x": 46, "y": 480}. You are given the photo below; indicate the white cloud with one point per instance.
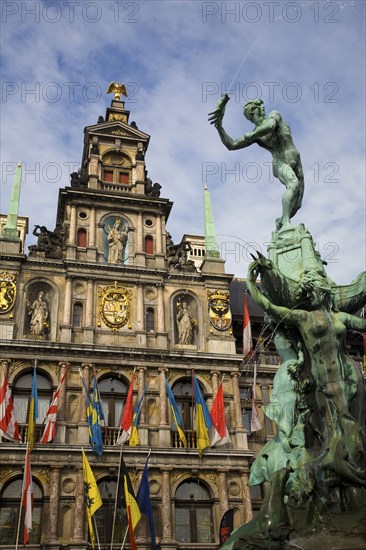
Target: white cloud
{"x": 171, "y": 53}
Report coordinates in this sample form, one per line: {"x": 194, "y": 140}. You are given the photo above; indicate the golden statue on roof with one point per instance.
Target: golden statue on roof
{"x": 117, "y": 89}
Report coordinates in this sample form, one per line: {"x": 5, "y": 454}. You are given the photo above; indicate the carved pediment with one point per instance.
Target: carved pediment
{"x": 117, "y": 129}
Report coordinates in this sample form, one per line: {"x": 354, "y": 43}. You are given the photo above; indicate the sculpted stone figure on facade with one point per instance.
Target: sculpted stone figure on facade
{"x": 39, "y": 315}
{"x": 271, "y": 133}
{"x": 185, "y": 323}
{"x": 116, "y": 242}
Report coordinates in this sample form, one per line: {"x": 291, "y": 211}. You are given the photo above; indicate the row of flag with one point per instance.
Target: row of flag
{"x": 136, "y": 506}
{"x": 210, "y": 427}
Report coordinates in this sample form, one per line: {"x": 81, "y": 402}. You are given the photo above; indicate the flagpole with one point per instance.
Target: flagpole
{"x": 21, "y": 499}
{"x": 115, "y": 502}
{"x": 124, "y": 538}
{"x": 96, "y": 531}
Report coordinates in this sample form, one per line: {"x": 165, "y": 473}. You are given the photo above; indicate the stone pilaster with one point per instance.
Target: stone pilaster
{"x": 166, "y": 506}
{"x": 162, "y": 340}
{"x": 89, "y": 302}
{"x": 61, "y": 416}
{"x": 68, "y": 299}
{"x": 159, "y": 244}
{"x": 72, "y": 226}
{"x": 83, "y": 430}
{"x": 53, "y": 506}
{"x": 164, "y": 428}
{"x": 241, "y": 436}
{"x": 92, "y": 227}
{"x": 224, "y": 499}
{"x": 247, "y": 501}
{"x": 79, "y": 511}
{"x": 214, "y": 382}
{"x": 4, "y": 363}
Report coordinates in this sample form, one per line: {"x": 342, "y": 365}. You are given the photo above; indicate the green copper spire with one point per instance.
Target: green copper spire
{"x": 10, "y": 231}
{"x": 211, "y": 249}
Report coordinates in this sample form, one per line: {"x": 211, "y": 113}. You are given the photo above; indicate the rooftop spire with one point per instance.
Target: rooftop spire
{"x": 211, "y": 249}
{"x": 10, "y": 232}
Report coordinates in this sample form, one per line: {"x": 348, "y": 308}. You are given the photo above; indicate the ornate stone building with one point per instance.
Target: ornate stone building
{"x": 108, "y": 292}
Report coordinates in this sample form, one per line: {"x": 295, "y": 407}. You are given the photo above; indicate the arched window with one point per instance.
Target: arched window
{"x": 149, "y": 244}
{"x": 81, "y": 237}
{"x": 113, "y": 393}
{"x": 104, "y": 516}
{"x": 149, "y": 319}
{"x": 22, "y": 392}
{"x": 193, "y": 513}
{"x": 77, "y": 315}
{"x": 9, "y": 513}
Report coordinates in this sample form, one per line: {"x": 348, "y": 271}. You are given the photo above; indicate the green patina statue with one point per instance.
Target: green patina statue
{"x": 315, "y": 466}
{"x": 271, "y": 133}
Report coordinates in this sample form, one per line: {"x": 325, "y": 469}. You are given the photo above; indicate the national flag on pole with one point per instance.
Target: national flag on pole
{"x": 134, "y": 439}
{"x": 205, "y": 430}
{"x": 247, "y": 330}
{"x": 50, "y": 429}
{"x": 32, "y": 410}
{"x": 255, "y": 422}
{"x": 176, "y": 415}
{"x": 8, "y": 425}
{"x": 27, "y": 498}
{"x": 93, "y": 418}
{"x": 218, "y": 418}
{"x": 132, "y": 508}
{"x": 92, "y": 495}
{"x": 127, "y": 418}
{"x": 144, "y": 503}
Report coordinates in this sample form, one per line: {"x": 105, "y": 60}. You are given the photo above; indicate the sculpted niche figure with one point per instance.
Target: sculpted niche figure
{"x": 271, "y": 133}
{"x": 116, "y": 242}
{"x": 185, "y": 323}
{"x": 39, "y": 314}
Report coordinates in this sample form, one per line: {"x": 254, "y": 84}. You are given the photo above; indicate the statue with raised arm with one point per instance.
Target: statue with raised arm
{"x": 116, "y": 242}
{"x": 271, "y": 133}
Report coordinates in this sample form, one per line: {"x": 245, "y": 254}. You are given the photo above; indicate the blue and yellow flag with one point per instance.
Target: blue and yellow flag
{"x": 175, "y": 413}
{"x": 92, "y": 495}
{"x": 202, "y": 418}
{"x": 32, "y": 410}
{"x": 93, "y": 417}
{"x": 134, "y": 439}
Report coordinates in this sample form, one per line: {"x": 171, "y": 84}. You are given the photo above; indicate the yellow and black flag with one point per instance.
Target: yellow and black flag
{"x": 132, "y": 508}
{"x": 92, "y": 496}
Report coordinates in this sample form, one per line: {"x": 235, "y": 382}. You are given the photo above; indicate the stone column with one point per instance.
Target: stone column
{"x": 89, "y": 302}
{"x": 166, "y": 506}
{"x": 159, "y": 245}
{"x": 141, "y": 387}
{"x": 92, "y": 227}
{"x": 224, "y": 499}
{"x": 139, "y": 233}
{"x": 214, "y": 382}
{"x": 161, "y": 316}
{"x": 248, "y": 512}
{"x": 164, "y": 428}
{"x": 241, "y": 436}
{"x": 53, "y": 506}
{"x": 68, "y": 299}
{"x": 79, "y": 511}
{"x": 140, "y": 318}
{"x": 72, "y": 226}
{"x": 85, "y": 371}
{"x": 62, "y": 395}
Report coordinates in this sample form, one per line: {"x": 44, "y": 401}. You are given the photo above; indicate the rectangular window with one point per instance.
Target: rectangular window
{"x": 108, "y": 175}
{"x": 124, "y": 178}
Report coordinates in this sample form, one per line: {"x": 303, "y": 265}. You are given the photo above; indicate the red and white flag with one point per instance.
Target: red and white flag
{"x": 247, "y": 330}
{"x": 50, "y": 429}
{"x": 255, "y": 422}
{"x": 127, "y": 418}
{"x": 218, "y": 419}
{"x": 8, "y": 425}
{"x": 27, "y": 501}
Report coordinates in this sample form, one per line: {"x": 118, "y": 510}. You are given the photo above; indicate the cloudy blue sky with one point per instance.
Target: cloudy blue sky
{"x": 304, "y": 58}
